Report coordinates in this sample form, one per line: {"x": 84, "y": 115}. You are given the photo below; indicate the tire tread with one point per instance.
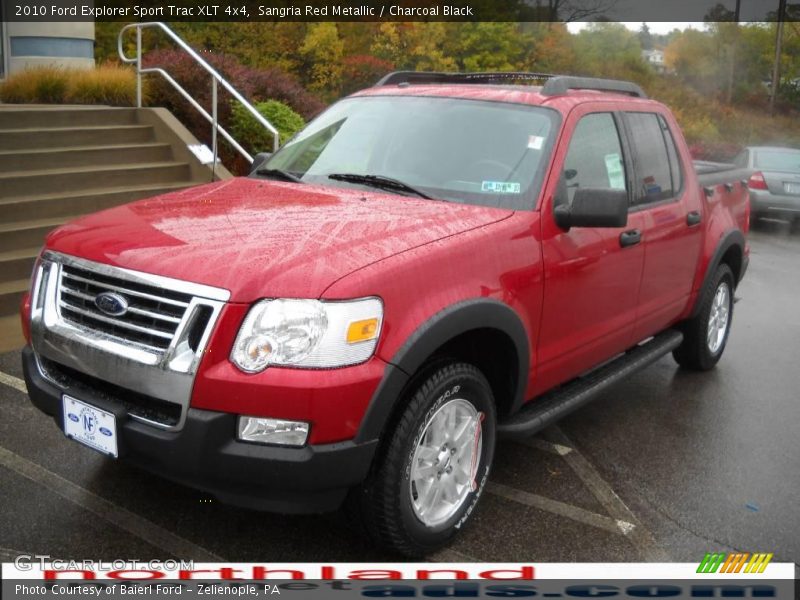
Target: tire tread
{"x": 378, "y": 496}
{"x": 693, "y": 353}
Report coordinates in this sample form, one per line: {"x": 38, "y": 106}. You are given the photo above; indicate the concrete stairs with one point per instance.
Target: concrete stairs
{"x": 60, "y": 162}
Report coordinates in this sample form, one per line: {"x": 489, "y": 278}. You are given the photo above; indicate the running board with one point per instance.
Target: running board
{"x": 552, "y": 406}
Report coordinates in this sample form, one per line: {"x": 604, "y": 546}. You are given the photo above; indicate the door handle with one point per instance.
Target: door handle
{"x": 693, "y": 218}
{"x": 630, "y": 238}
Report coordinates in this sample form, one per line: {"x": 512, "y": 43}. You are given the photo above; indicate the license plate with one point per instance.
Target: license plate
{"x": 791, "y": 188}
{"x": 90, "y": 426}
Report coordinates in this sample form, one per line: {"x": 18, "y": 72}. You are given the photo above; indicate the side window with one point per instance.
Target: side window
{"x": 674, "y": 160}
{"x": 594, "y": 158}
{"x": 651, "y": 157}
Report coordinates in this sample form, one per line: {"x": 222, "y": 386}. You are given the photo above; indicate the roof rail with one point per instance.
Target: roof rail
{"x": 422, "y": 77}
{"x": 563, "y": 83}
{"x": 555, "y": 85}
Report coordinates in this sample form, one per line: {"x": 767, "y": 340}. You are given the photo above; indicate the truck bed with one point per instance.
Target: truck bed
{"x": 716, "y": 173}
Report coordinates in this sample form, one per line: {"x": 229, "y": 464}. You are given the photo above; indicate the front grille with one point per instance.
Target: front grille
{"x": 136, "y": 404}
{"x": 152, "y": 317}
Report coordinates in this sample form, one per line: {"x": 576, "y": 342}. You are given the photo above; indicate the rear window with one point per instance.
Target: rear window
{"x": 655, "y": 158}
{"x": 778, "y": 160}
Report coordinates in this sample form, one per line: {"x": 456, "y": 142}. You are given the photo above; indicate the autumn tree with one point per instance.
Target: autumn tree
{"x": 691, "y": 55}
{"x": 551, "y": 50}
{"x": 610, "y": 50}
{"x": 491, "y": 46}
{"x": 322, "y": 52}
{"x": 428, "y": 48}
{"x": 645, "y": 37}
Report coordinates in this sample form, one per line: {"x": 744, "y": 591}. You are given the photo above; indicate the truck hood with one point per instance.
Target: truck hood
{"x": 260, "y": 238}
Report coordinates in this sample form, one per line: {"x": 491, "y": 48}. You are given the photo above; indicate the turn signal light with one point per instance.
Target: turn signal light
{"x": 362, "y": 331}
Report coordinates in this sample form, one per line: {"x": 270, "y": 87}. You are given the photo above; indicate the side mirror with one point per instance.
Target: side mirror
{"x": 594, "y": 207}
{"x": 259, "y": 160}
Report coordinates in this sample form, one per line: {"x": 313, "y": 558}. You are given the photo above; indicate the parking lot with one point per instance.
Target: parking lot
{"x": 665, "y": 467}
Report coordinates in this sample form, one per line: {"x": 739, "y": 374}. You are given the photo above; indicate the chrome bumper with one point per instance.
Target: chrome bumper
{"x": 167, "y": 374}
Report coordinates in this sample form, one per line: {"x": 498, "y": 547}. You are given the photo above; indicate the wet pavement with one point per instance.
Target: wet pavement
{"x": 666, "y": 466}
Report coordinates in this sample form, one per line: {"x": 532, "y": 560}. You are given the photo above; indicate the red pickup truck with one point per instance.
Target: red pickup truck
{"x": 431, "y": 263}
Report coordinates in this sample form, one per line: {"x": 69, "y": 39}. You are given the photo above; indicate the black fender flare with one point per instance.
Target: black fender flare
{"x": 468, "y": 315}
{"x": 731, "y": 238}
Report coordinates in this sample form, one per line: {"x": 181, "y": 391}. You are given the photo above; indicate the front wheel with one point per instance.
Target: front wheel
{"x": 705, "y": 336}
{"x": 435, "y": 465}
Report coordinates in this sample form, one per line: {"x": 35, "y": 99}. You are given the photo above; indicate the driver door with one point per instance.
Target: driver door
{"x": 592, "y": 274}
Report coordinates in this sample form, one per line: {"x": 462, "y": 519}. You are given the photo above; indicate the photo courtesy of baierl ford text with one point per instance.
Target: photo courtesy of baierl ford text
{"x": 399, "y": 298}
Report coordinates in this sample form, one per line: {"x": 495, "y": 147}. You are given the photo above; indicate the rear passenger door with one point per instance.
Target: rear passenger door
{"x": 671, "y": 220}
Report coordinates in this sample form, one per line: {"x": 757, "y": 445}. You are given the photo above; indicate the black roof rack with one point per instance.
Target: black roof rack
{"x": 423, "y": 77}
{"x": 563, "y": 83}
{"x": 555, "y": 85}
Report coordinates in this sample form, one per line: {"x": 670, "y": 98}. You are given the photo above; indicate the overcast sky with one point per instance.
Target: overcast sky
{"x": 657, "y": 27}
{"x": 657, "y": 12}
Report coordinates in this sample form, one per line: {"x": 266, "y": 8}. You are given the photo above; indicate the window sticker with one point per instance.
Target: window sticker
{"x": 616, "y": 174}
{"x": 535, "y": 142}
{"x": 501, "y": 187}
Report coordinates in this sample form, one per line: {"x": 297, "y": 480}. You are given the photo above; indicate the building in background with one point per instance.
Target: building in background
{"x": 655, "y": 58}
{"x": 24, "y": 45}
{"x": 2, "y": 47}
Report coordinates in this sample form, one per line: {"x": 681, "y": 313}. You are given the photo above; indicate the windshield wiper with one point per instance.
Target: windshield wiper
{"x": 379, "y": 181}
{"x": 279, "y": 174}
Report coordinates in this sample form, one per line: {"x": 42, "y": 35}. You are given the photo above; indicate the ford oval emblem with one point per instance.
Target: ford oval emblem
{"x": 111, "y": 304}
{"x": 73, "y": 417}
{"x": 105, "y": 431}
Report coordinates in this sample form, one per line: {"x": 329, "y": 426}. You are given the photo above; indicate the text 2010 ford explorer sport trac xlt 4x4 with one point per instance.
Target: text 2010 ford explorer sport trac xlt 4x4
{"x": 431, "y": 263}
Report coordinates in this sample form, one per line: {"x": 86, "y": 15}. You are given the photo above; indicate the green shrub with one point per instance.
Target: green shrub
{"x": 106, "y": 84}
{"x": 253, "y": 135}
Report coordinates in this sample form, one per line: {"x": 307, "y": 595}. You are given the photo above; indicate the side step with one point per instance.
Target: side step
{"x": 552, "y": 406}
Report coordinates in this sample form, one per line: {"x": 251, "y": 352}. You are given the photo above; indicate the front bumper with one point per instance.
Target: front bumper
{"x": 205, "y": 455}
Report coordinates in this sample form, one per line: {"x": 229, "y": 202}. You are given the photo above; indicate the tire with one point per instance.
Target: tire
{"x": 393, "y": 501}
{"x": 702, "y": 348}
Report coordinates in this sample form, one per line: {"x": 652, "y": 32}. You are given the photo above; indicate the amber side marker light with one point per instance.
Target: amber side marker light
{"x": 362, "y": 331}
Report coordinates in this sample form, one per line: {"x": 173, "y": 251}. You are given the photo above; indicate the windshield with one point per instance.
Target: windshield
{"x": 473, "y": 152}
{"x": 778, "y": 160}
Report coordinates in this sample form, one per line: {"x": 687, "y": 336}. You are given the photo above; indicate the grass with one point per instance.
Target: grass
{"x": 110, "y": 84}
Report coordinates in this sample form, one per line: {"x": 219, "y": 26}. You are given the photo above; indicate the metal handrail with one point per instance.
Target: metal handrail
{"x": 216, "y": 81}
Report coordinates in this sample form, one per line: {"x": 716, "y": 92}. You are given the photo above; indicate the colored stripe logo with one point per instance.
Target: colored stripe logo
{"x": 735, "y": 562}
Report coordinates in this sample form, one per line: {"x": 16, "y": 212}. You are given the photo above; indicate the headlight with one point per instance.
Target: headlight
{"x": 308, "y": 334}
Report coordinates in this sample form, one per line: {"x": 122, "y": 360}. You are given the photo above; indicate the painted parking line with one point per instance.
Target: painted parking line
{"x": 544, "y": 445}
{"x": 124, "y": 519}
{"x": 639, "y": 536}
{"x": 621, "y": 519}
{"x": 13, "y": 382}
{"x": 569, "y": 511}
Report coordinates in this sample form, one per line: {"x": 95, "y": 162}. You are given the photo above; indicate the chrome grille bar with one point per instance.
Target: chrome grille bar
{"x": 123, "y": 290}
{"x": 115, "y": 322}
{"x": 151, "y": 348}
{"x": 132, "y": 309}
